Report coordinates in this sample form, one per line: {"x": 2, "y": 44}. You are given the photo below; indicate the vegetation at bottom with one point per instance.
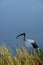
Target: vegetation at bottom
{"x": 21, "y": 57}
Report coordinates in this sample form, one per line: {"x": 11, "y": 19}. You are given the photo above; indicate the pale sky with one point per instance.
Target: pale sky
{"x": 17, "y": 16}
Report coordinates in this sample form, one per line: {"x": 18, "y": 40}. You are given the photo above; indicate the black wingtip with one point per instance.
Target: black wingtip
{"x": 34, "y": 45}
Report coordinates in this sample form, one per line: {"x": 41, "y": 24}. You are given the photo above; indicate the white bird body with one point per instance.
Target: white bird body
{"x": 28, "y": 42}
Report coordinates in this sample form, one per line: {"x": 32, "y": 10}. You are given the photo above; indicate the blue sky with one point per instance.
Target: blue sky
{"x": 17, "y": 16}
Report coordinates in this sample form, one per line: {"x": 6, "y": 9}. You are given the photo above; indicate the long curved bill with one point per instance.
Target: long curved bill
{"x": 23, "y": 34}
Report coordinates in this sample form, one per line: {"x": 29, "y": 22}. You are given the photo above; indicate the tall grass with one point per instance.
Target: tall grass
{"x": 22, "y": 57}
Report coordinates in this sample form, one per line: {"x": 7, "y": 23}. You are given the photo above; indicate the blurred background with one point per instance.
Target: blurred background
{"x": 17, "y": 16}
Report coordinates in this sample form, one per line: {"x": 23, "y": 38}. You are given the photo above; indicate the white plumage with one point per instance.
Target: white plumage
{"x": 28, "y": 43}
